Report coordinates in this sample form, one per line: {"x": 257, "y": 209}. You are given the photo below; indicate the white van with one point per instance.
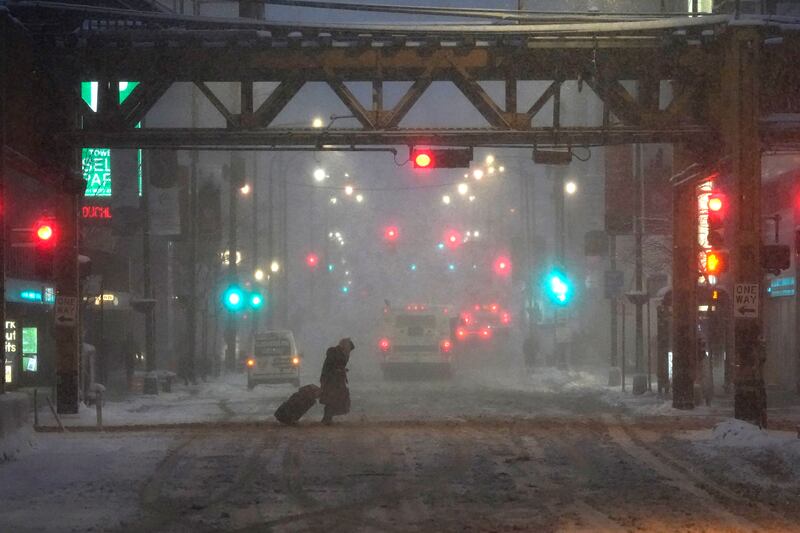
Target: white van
{"x": 275, "y": 359}
{"x": 416, "y": 337}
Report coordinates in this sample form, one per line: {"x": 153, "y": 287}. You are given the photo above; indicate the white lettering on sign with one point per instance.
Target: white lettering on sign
{"x": 66, "y": 312}
{"x": 745, "y": 300}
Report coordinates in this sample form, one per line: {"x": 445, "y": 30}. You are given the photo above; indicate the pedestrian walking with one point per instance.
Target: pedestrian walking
{"x": 335, "y": 395}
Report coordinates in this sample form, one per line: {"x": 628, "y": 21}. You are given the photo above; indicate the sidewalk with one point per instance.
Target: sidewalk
{"x": 208, "y": 402}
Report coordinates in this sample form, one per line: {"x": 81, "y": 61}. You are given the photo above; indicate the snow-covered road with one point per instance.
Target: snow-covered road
{"x": 500, "y": 453}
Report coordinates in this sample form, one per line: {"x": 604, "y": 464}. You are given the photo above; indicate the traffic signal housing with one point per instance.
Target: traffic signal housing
{"x": 428, "y": 158}
{"x": 717, "y": 211}
{"x": 45, "y": 238}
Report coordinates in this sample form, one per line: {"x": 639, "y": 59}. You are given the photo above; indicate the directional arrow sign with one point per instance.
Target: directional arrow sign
{"x": 745, "y": 300}
{"x": 66, "y": 310}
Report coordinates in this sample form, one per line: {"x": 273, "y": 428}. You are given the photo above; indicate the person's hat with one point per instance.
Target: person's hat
{"x": 349, "y": 340}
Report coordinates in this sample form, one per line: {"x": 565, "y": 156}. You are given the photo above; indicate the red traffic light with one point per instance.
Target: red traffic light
{"x": 452, "y": 238}
{"x": 422, "y": 159}
{"x": 502, "y": 266}
{"x": 391, "y": 233}
{"x": 312, "y": 260}
{"x": 44, "y": 232}
{"x": 716, "y": 202}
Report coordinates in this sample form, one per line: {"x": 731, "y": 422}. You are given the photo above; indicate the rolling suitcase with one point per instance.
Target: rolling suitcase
{"x": 297, "y": 405}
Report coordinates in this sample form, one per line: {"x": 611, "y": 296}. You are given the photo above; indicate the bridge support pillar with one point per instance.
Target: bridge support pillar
{"x": 684, "y": 286}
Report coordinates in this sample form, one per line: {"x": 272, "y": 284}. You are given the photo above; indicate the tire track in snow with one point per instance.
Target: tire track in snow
{"x": 678, "y": 478}
{"x": 588, "y": 518}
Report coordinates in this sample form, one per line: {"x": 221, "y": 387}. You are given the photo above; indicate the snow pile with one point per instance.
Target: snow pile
{"x": 737, "y": 433}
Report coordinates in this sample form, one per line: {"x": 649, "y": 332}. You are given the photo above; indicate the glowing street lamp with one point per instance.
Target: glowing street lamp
{"x": 446, "y": 199}
{"x": 348, "y": 190}
{"x": 245, "y": 189}
{"x": 258, "y": 274}
{"x": 570, "y": 187}
{"x": 317, "y": 122}
{"x": 359, "y": 198}
{"x": 463, "y": 189}
{"x": 319, "y": 175}
{"x": 489, "y": 159}
{"x": 334, "y": 200}
{"x": 477, "y": 174}
{"x": 274, "y": 267}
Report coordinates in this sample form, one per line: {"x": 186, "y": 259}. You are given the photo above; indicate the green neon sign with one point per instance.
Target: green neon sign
{"x": 96, "y": 162}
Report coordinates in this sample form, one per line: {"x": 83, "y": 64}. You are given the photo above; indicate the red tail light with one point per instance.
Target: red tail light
{"x": 384, "y": 345}
{"x": 466, "y": 317}
{"x": 505, "y": 318}
{"x": 486, "y": 333}
{"x": 494, "y": 308}
{"x": 461, "y": 333}
{"x": 445, "y": 346}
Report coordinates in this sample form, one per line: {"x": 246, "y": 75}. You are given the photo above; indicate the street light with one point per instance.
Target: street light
{"x": 317, "y": 122}
{"x": 359, "y": 198}
{"x": 570, "y": 187}
{"x": 489, "y": 159}
{"x": 472, "y": 198}
{"x": 333, "y": 200}
{"x": 348, "y": 190}
{"x": 274, "y": 267}
{"x": 477, "y": 174}
{"x": 258, "y": 274}
{"x": 245, "y": 189}
{"x": 446, "y": 199}
{"x": 463, "y": 189}
{"x": 319, "y": 175}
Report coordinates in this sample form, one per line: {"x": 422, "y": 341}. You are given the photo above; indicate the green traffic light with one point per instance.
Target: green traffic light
{"x": 256, "y": 301}
{"x": 558, "y": 287}
{"x": 233, "y": 298}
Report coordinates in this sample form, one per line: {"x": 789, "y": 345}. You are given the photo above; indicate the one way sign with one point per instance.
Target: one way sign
{"x": 745, "y": 300}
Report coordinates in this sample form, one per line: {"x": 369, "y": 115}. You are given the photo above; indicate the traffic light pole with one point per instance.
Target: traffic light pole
{"x": 150, "y": 381}
{"x": 231, "y": 324}
{"x": 740, "y": 129}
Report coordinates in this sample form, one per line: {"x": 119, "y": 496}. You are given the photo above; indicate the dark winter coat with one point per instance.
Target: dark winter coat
{"x": 335, "y": 394}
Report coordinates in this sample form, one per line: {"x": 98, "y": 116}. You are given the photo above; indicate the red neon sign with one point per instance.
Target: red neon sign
{"x": 96, "y": 212}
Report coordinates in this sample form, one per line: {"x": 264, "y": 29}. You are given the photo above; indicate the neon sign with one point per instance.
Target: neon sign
{"x": 96, "y": 212}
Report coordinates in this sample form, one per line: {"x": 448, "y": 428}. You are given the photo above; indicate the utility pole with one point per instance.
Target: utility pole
{"x": 235, "y": 176}
{"x": 614, "y": 377}
{"x": 558, "y": 195}
{"x": 742, "y": 143}
{"x": 638, "y": 232}
{"x": 150, "y": 381}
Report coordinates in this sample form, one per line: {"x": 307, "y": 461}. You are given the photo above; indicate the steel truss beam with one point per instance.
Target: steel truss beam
{"x": 652, "y": 77}
{"x": 635, "y": 121}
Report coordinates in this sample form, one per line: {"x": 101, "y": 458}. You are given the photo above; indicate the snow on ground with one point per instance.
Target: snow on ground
{"x": 73, "y": 482}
